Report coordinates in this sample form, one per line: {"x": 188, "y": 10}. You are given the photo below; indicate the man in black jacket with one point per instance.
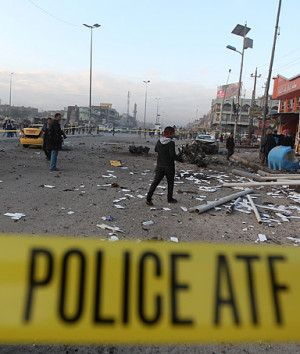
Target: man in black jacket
{"x": 230, "y": 144}
{"x": 165, "y": 147}
{"x": 268, "y": 143}
{"x": 55, "y": 140}
{"x": 45, "y": 131}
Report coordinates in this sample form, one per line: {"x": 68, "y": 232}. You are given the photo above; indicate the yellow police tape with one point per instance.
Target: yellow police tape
{"x": 70, "y": 290}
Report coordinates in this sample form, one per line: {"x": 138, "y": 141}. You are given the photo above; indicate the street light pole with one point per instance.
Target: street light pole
{"x": 11, "y": 74}
{"x": 145, "y": 111}
{"x": 96, "y": 25}
{"x": 157, "y": 120}
{"x": 240, "y": 30}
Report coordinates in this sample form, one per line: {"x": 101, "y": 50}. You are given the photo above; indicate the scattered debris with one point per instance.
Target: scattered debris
{"x": 147, "y": 223}
{"x": 118, "y": 206}
{"x": 254, "y": 184}
{"x": 107, "y": 227}
{"x": 71, "y": 212}
{"x": 254, "y": 176}
{"x": 202, "y": 208}
{"x": 233, "y": 205}
{"x": 114, "y": 185}
{"x": 110, "y": 218}
{"x": 113, "y": 238}
{"x": 261, "y": 238}
{"x": 258, "y": 218}
{"x": 15, "y": 216}
{"x": 115, "y": 163}
{"x": 139, "y": 149}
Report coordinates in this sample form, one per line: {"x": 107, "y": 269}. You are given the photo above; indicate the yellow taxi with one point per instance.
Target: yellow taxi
{"x": 32, "y": 135}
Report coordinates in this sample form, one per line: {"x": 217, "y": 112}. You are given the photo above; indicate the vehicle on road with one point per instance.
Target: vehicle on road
{"x": 31, "y": 135}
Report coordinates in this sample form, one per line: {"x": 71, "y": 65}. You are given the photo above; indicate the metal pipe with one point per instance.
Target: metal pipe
{"x": 202, "y": 208}
{"x": 258, "y": 218}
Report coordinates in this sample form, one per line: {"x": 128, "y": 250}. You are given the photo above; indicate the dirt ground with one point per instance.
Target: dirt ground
{"x": 83, "y": 186}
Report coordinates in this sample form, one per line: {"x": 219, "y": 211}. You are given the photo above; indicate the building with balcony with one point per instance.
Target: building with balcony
{"x": 224, "y": 113}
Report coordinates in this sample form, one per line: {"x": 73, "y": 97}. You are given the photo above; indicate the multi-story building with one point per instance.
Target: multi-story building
{"x": 103, "y": 114}
{"x": 287, "y": 91}
{"x": 248, "y": 116}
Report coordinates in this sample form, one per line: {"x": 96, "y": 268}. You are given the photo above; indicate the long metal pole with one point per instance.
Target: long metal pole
{"x": 91, "y": 64}
{"x": 157, "y": 120}
{"x": 269, "y": 75}
{"x": 146, "y": 82}
{"x": 11, "y": 74}
{"x": 239, "y": 88}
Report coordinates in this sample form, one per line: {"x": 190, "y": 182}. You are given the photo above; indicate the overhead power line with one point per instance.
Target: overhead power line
{"x": 48, "y": 13}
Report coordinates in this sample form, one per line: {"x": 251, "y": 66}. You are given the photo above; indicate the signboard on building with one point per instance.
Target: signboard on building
{"x": 108, "y": 105}
{"x": 286, "y": 88}
{"x": 229, "y": 90}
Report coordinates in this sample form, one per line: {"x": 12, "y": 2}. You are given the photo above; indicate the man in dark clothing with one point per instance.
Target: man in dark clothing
{"x": 165, "y": 147}
{"x": 45, "y": 131}
{"x": 230, "y": 144}
{"x": 55, "y": 140}
{"x": 267, "y": 145}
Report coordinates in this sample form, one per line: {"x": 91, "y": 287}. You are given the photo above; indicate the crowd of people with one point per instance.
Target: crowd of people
{"x": 9, "y": 129}
{"x": 272, "y": 140}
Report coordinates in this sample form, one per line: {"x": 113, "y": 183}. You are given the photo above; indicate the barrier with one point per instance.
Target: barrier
{"x": 70, "y": 290}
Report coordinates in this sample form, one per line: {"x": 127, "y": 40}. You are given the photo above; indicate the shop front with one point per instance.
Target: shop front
{"x": 287, "y": 91}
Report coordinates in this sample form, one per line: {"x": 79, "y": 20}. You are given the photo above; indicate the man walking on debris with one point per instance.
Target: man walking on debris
{"x": 230, "y": 144}
{"x": 55, "y": 140}
{"x": 165, "y": 147}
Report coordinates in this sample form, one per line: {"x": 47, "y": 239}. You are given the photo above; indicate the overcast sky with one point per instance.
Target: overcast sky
{"x": 180, "y": 46}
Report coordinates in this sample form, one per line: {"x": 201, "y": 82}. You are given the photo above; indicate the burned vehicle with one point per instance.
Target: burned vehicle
{"x": 208, "y": 143}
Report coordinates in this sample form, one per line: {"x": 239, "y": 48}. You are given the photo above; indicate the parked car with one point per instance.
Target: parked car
{"x": 208, "y": 143}
{"x": 31, "y": 135}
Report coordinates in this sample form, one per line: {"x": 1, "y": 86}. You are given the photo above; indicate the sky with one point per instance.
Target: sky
{"x": 180, "y": 46}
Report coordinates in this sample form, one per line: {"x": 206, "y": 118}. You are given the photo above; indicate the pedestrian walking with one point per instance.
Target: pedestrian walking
{"x": 56, "y": 136}
{"x": 165, "y": 148}
{"x": 46, "y": 132}
{"x": 230, "y": 144}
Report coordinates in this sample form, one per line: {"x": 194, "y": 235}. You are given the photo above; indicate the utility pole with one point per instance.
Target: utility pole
{"x": 253, "y": 100}
{"x": 269, "y": 75}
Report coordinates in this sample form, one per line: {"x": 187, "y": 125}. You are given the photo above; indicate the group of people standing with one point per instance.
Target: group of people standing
{"x": 53, "y": 137}
{"x": 272, "y": 140}
{"x": 9, "y": 129}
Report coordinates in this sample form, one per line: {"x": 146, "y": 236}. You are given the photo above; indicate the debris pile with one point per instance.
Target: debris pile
{"x": 194, "y": 154}
{"x": 139, "y": 149}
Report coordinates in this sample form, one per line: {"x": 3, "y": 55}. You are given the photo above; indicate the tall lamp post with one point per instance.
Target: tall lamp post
{"x": 145, "y": 111}
{"x": 96, "y": 25}
{"x": 10, "y": 84}
{"x": 240, "y": 30}
{"x": 157, "y": 115}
